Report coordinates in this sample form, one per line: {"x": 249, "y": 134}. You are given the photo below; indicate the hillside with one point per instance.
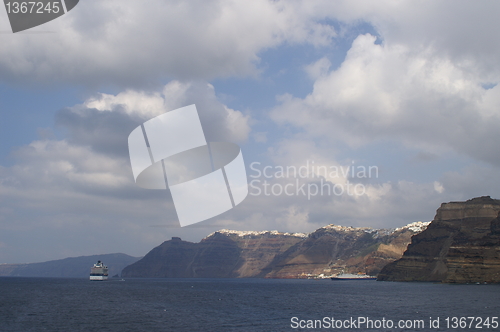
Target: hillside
{"x": 271, "y": 254}
{"x": 72, "y": 267}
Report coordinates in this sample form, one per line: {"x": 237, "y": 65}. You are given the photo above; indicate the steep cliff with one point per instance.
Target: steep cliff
{"x": 259, "y": 248}
{"x": 271, "y": 254}
{"x": 334, "y": 249}
{"x": 461, "y": 245}
{"x": 223, "y": 254}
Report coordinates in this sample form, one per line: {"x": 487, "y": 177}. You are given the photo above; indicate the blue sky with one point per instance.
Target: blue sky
{"x": 396, "y": 85}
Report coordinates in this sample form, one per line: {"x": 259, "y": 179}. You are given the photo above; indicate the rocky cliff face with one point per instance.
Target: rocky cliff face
{"x": 223, "y": 254}
{"x": 327, "y": 251}
{"x": 259, "y": 248}
{"x": 334, "y": 249}
{"x": 461, "y": 245}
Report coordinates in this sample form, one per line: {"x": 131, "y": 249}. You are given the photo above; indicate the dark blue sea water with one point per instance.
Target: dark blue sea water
{"x": 43, "y": 304}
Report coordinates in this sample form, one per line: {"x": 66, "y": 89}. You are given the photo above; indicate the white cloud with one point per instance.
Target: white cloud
{"x": 438, "y": 187}
{"x": 127, "y": 43}
{"x": 415, "y": 96}
{"x": 318, "y": 68}
{"x": 132, "y": 102}
{"x": 462, "y": 30}
{"x": 220, "y": 123}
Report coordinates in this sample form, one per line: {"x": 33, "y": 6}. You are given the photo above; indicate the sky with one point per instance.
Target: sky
{"x": 406, "y": 89}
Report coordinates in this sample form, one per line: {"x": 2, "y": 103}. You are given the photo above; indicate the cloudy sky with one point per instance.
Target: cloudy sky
{"x": 408, "y": 88}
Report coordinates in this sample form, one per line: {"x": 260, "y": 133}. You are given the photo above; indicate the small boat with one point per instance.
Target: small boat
{"x": 349, "y": 276}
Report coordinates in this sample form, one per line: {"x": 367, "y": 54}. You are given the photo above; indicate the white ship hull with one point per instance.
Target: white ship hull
{"x": 98, "y": 277}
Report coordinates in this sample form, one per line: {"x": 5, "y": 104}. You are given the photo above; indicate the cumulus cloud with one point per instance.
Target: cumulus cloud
{"x": 318, "y": 68}
{"x": 104, "y": 121}
{"x": 103, "y": 131}
{"x": 463, "y": 31}
{"x": 416, "y": 97}
{"x": 128, "y": 43}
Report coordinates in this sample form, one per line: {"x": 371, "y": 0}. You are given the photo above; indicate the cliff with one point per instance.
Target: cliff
{"x": 271, "y": 254}
{"x": 461, "y": 245}
{"x": 335, "y": 249}
{"x": 223, "y": 254}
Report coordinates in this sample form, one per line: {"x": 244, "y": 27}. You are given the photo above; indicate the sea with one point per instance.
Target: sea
{"x": 53, "y": 304}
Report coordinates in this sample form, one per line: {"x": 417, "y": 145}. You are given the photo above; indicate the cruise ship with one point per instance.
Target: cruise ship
{"x": 99, "y": 271}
